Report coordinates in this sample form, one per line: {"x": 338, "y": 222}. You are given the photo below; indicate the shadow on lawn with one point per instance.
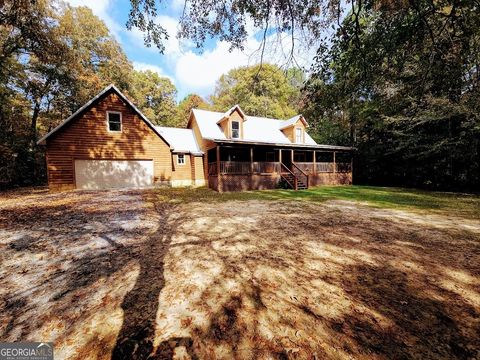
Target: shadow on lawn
{"x": 392, "y": 313}
{"x": 421, "y": 326}
{"x": 136, "y": 337}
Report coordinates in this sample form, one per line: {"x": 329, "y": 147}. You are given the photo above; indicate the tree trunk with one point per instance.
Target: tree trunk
{"x": 33, "y": 124}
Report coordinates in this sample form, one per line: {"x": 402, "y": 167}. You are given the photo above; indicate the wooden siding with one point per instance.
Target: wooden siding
{"x": 87, "y": 137}
{"x": 197, "y": 169}
{"x": 181, "y": 172}
{"x": 204, "y": 145}
{"x": 226, "y": 124}
{"x": 235, "y": 116}
{"x": 290, "y": 131}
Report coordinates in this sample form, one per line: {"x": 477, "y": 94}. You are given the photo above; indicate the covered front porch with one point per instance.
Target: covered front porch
{"x": 239, "y": 167}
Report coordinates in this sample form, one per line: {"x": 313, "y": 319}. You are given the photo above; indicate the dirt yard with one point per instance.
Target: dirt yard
{"x": 125, "y": 275}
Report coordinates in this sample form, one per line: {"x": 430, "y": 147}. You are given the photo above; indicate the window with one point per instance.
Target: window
{"x": 181, "y": 159}
{"x": 298, "y": 135}
{"x": 235, "y": 129}
{"x": 114, "y": 121}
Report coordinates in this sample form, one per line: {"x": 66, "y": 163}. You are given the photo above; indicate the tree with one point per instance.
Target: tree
{"x": 261, "y": 90}
{"x": 52, "y": 60}
{"x": 402, "y": 88}
{"x": 27, "y": 40}
{"x": 191, "y": 101}
{"x": 155, "y": 97}
{"x": 227, "y": 20}
{"x": 96, "y": 58}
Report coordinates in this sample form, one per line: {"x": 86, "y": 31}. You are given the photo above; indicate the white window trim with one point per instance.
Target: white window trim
{"x": 184, "y": 159}
{"x": 301, "y": 135}
{"x": 239, "y": 130}
{"x": 121, "y": 122}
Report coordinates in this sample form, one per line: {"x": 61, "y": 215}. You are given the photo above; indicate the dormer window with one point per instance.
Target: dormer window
{"x": 298, "y": 135}
{"x": 235, "y": 129}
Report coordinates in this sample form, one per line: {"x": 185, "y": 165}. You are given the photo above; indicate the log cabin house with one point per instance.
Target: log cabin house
{"x": 109, "y": 143}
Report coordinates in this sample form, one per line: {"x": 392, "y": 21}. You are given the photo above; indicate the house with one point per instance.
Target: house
{"x": 244, "y": 152}
{"x": 109, "y": 143}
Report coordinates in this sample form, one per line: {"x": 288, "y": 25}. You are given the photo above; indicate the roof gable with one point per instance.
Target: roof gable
{"x": 255, "y": 129}
{"x": 92, "y": 102}
{"x": 230, "y": 111}
{"x": 293, "y": 121}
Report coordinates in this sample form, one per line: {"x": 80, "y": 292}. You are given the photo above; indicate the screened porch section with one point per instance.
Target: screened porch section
{"x": 266, "y": 160}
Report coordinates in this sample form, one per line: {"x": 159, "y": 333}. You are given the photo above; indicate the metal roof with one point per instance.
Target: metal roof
{"x": 181, "y": 140}
{"x": 255, "y": 129}
{"x": 290, "y": 145}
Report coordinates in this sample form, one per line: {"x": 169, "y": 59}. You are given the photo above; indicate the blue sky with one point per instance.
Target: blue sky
{"x": 191, "y": 70}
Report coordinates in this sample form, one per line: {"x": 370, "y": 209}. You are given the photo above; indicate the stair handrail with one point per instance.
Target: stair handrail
{"x": 303, "y": 173}
{"x": 294, "y": 186}
{"x": 286, "y": 168}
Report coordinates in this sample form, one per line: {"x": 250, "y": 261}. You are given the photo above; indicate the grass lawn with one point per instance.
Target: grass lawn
{"x": 329, "y": 273}
{"x": 465, "y": 205}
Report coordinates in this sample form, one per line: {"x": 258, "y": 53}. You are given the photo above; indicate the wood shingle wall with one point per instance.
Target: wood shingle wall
{"x": 87, "y": 137}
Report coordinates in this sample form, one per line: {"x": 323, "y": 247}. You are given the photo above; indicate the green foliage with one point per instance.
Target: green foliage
{"x": 260, "y": 90}
{"x": 227, "y": 20}
{"x": 155, "y": 97}
{"x": 53, "y": 59}
{"x": 402, "y": 85}
{"x": 191, "y": 101}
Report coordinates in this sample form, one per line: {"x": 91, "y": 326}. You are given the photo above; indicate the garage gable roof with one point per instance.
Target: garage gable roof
{"x": 92, "y": 101}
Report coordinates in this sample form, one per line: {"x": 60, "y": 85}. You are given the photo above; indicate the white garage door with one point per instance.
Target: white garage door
{"x": 107, "y": 174}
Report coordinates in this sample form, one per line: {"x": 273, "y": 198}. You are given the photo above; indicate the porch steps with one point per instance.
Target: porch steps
{"x": 291, "y": 180}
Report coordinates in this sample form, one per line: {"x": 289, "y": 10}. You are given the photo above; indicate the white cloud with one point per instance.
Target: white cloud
{"x": 196, "y": 72}
{"x": 199, "y": 72}
{"x": 141, "y": 66}
{"x": 177, "y": 5}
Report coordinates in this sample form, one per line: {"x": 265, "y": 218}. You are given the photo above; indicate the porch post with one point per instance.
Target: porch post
{"x": 291, "y": 158}
{"x": 351, "y": 163}
{"x": 280, "y": 156}
{"x": 334, "y": 164}
{"x": 206, "y": 166}
{"x": 251, "y": 160}
{"x": 219, "y": 176}
{"x": 314, "y": 162}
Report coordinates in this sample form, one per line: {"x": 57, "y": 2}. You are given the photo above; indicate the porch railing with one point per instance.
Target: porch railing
{"x": 305, "y": 166}
{"x": 301, "y": 176}
{"x": 324, "y": 167}
{"x": 344, "y": 167}
{"x": 266, "y": 167}
{"x": 235, "y": 167}
{"x": 243, "y": 167}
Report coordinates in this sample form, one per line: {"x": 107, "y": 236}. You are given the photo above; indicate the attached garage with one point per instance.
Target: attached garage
{"x": 108, "y": 143}
{"x": 108, "y": 174}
